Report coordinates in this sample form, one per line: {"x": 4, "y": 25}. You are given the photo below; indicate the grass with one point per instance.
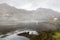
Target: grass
{"x": 47, "y": 36}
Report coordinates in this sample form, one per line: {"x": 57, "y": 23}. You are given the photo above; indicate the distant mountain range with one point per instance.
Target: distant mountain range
{"x": 12, "y": 15}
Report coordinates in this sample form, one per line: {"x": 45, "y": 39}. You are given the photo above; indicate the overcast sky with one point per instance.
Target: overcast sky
{"x": 34, "y": 4}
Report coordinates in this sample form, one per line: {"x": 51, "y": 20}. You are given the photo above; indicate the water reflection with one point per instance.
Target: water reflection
{"x": 14, "y": 37}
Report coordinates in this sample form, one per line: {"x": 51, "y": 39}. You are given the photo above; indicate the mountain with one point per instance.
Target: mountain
{"x": 12, "y": 15}
{"x": 12, "y": 18}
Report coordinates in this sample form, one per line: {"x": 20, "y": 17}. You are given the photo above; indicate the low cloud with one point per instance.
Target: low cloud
{"x": 33, "y": 4}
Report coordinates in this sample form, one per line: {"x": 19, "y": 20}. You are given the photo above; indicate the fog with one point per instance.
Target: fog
{"x": 33, "y": 4}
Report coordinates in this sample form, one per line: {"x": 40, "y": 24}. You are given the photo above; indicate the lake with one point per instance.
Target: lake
{"x": 14, "y": 36}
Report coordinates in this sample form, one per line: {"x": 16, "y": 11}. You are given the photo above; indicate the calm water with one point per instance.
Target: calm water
{"x": 14, "y": 37}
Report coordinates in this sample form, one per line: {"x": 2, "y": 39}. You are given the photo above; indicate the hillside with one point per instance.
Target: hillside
{"x": 12, "y": 18}
{"x": 12, "y": 15}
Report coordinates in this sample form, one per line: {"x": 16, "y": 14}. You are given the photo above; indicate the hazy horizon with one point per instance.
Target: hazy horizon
{"x": 34, "y": 4}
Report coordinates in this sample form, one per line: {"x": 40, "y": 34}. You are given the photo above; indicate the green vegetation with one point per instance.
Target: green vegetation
{"x": 43, "y": 36}
{"x": 46, "y": 36}
{"x": 57, "y": 35}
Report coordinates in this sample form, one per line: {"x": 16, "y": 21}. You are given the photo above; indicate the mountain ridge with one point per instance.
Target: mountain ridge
{"x": 9, "y": 14}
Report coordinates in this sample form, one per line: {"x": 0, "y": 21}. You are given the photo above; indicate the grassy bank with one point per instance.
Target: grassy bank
{"x": 47, "y": 36}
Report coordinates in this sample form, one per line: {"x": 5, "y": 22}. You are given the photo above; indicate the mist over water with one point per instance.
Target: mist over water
{"x": 12, "y": 19}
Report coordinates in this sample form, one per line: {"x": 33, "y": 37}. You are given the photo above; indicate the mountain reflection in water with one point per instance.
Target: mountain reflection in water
{"x": 14, "y": 36}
